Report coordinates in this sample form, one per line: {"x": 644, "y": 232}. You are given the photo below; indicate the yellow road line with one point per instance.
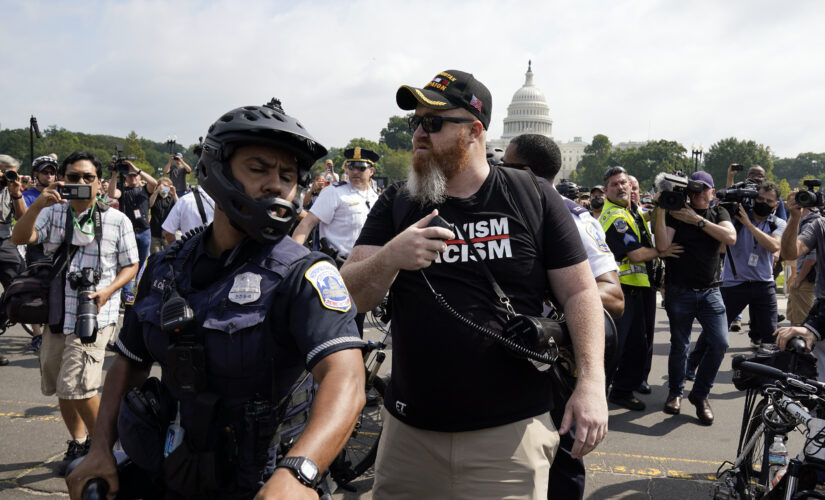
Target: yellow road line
{"x": 44, "y": 418}
{"x": 650, "y": 457}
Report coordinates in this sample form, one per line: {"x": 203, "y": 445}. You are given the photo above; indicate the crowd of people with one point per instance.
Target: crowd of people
{"x": 219, "y": 286}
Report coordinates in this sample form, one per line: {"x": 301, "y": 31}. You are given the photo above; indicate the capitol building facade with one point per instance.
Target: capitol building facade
{"x": 528, "y": 113}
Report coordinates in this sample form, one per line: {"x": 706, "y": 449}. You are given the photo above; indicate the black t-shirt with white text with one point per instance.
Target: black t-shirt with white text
{"x": 134, "y": 202}
{"x": 699, "y": 265}
{"x": 445, "y": 376}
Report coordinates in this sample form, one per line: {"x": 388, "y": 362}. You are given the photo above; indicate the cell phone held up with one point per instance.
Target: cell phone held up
{"x": 75, "y": 191}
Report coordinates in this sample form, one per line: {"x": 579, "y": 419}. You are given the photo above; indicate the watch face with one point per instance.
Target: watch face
{"x": 309, "y": 470}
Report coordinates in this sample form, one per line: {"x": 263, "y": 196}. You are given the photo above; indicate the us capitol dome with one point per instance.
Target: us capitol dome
{"x": 529, "y": 113}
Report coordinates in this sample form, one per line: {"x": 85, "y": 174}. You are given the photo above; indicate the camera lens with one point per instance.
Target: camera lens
{"x": 805, "y": 199}
{"x": 11, "y": 175}
{"x": 86, "y": 323}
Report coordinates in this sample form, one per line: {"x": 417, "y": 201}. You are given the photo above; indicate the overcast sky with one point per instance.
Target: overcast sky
{"x": 690, "y": 71}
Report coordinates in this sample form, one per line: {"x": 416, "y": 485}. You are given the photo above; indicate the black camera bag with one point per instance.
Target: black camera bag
{"x": 29, "y": 297}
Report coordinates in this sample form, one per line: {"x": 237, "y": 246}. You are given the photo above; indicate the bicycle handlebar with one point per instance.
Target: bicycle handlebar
{"x": 803, "y": 384}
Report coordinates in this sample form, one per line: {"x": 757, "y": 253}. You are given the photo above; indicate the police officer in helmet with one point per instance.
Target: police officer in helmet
{"x": 264, "y": 309}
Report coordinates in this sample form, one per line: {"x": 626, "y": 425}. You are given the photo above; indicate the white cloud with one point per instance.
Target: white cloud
{"x": 688, "y": 71}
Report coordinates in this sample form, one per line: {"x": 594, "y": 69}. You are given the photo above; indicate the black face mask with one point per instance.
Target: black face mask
{"x": 597, "y": 203}
{"x": 762, "y": 209}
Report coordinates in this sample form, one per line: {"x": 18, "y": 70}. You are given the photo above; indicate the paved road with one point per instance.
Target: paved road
{"x": 647, "y": 454}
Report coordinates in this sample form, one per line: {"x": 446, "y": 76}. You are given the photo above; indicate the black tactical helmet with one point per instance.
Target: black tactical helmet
{"x": 266, "y": 221}
{"x": 568, "y": 189}
{"x": 495, "y": 156}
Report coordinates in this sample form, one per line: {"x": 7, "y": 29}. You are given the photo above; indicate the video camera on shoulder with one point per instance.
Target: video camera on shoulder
{"x": 742, "y": 193}
{"x": 810, "y": 197}
{"x": 674, "y": 189}
{"x": 119, "y": 161}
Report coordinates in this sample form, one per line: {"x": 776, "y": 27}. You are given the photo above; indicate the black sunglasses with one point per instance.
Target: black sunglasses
{"x": 614, "y": 171}
{"x": 75, "y": 177}
{"x": 360, "y": 165}
{"x": 433, "y": 123}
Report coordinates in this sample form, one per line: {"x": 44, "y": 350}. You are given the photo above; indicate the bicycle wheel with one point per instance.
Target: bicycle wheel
{"x": 755, "y": 464}
{"x": 359, "y": 453}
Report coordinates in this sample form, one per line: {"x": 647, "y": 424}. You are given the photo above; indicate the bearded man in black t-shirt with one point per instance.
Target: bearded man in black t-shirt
{"x": 463, "y": 414}
{"x": 692, "y": 292}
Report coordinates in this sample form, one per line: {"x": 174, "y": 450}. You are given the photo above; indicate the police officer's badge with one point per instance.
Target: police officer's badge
{"x": 246, "y": 288}
{"x": 620, "y": 225}
{"x": 330, "y": 286}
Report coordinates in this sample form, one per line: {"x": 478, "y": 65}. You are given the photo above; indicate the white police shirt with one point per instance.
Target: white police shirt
{"x": 599, "y": 256}
{"x": 342, "y": 209}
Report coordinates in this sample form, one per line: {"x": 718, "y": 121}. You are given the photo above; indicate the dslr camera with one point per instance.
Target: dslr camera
{"x": 84, "y": 281}
{"x": 810, "y": 197}
{"x": 742, "y": 193}
{"x": 674, "y": 189}
{"x": 119, "y": 161}
{"x": 8, "y": 176}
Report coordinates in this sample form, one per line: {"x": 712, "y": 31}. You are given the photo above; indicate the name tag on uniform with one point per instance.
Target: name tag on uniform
{"x": 753, "y": 260}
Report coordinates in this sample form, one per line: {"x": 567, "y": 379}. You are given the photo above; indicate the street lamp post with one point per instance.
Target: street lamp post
{"x": 697, "y": 156}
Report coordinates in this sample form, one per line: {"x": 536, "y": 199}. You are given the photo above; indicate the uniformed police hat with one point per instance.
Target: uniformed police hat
{"x": 360, "y": 157}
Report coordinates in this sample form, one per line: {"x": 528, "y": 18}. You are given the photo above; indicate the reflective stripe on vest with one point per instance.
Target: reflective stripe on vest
{"x": 630, "y": 273}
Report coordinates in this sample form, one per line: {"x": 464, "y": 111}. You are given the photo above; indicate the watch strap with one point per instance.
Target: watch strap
{"x": 294, "y": 465}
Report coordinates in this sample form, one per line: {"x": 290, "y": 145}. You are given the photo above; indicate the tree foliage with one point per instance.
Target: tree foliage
{"x": 732, "y": 150}
{"x": 593, "y": 164}
{"x": 397, "y": 135}
{"x": 152, "y": 156}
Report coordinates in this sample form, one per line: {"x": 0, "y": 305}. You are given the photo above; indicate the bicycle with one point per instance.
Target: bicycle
{"x": 789, "y": 402}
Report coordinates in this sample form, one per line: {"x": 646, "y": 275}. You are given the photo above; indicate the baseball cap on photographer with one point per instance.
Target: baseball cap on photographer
{"x": 703, "y": 177}
{"x": 450, "y": 89}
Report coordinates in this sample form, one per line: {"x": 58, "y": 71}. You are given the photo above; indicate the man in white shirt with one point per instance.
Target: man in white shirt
{"x": 342, "y": 210}
{"x": 193, "y": 210}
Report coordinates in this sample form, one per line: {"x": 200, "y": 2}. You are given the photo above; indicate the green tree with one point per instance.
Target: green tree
{"x": 732, "y": 150}
{"x": 646, "y": 161}
{"x": 132, "y": 147}
{"x": 784, "y": 188}
{"x": 591, "y": 168}
{"x": 396, "y": 135}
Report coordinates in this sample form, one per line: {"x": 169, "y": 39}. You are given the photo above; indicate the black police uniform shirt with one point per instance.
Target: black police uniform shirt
{"x": 622, "y": 240}
{"x": 134, "y": 202}
{"x": 699, "y": 266}
{"x": 445, "y": 376}
{"x": 248, "y": 346}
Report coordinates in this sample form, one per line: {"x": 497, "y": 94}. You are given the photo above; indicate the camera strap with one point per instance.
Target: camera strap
{"x": 502, "y": 297}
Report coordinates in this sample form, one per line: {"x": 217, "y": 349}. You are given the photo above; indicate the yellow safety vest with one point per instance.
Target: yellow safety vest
{"x": 630, "y": 273}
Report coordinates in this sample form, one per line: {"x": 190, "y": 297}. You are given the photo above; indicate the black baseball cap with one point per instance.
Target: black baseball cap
{"x": 450, "y": 89}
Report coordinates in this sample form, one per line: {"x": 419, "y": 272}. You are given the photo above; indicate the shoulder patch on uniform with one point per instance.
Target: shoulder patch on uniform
{"x": 327, "y": 281}
{"x": 620, "y": 225}
{"x": 246, "y": 288}
{"x": 340, "y": 183}
{"x": 593, "y": 232}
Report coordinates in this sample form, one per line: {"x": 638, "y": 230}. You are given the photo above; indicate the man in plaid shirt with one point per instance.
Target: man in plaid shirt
{"x": 70, "y": 368}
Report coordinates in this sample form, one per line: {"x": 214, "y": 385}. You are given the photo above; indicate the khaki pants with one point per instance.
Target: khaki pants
{"x": 510, "y": 461}
{"x": 70, "y": 368}
{"x": 800, "y": 302}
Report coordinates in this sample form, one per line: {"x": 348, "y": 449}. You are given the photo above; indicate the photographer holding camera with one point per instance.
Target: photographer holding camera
{"x": 177, "y": 169}
{"x": 134, "y": 202}
{"x": 692, "y": 289}
{"x": 11, "y": 203}
{"x": 748, "y": 272}
{"x": 103, "y": 259}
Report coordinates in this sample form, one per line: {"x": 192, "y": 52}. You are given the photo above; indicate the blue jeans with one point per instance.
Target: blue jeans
{"x": 683, "y": 305}
{"x": 143, "y": 240}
